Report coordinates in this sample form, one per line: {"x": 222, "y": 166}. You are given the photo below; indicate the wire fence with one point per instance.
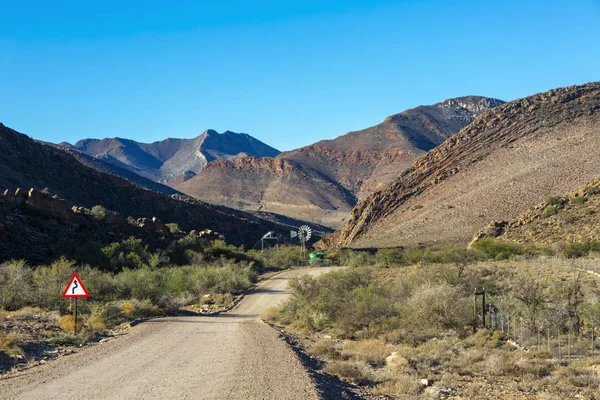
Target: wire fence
{"x": 555, "y": 336}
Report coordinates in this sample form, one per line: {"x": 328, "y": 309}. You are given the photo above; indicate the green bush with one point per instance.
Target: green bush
{"x": 550, "y": 210}
{"x": 347, "y": 299}
{"x": 279, "y": 257}
{"x": 49, "y": 283}
{"x": 553, "y": 200}
{"x": 496, "y": 249}
{"x": 580, "y": 249}
{"x": 437, "y": 306}
{"x": 15, "y": 284}
{"x": 130, "y": 253}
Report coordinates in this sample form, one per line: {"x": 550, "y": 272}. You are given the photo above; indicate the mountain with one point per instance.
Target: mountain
{"x": 366, "y": 160}
{"x": 574, "y": 217}
{"x": 322, "y": 182}
{"x": 506, "y": 161}
{"x": 113, "y": 169}
{"x": 271, "y": 184}
{"x": 25, "y": 163}
{"x": 173, "y": 160}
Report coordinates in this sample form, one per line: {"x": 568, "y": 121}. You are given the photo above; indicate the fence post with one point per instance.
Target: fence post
{"x": 475, "y": 310}
{"x": 559, "y": 352}
{"x": 569, "y": 346}
{"x": 483, "y": 307}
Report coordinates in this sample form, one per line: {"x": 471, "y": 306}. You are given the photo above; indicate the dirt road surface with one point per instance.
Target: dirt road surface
{"x": 230, "y": 356}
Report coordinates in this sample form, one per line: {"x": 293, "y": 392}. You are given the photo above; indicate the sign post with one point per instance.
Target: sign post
{"x": 75, "y": 290}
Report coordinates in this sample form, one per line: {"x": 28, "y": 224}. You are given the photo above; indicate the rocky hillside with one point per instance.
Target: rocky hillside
{"x": 322, "y": 182}
{"x": 25, "y": 163}
{"x": 509, "y": 159}
{"x": 274, "y": 185}
{"x": 366, "y": 160}
{"x": 173, "y": 160}
{"x": 574, "y": 217}
{"x": 112, "y": 169}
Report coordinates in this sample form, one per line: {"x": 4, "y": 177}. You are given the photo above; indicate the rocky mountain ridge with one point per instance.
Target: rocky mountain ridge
{"x": 507, "y": 160}
{"x": 173, "y": 160}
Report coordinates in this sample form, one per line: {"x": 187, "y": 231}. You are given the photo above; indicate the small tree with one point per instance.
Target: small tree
{"x": 99, "y": 212}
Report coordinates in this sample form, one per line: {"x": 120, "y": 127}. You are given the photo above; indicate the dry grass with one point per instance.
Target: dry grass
{"x": 9, "y": 344}
{"x": 67, "y": 323}
{"x": 400, "y": 385}
{"x": 354, "y": 371}
{"x": 371, "y": 351}
{"x": 325, "y": 349}
{"x": 579, "y": 377}
{"x": 270, "y": 315}
{"x": 96, "y": 324}
{"x": 128, "y": 309}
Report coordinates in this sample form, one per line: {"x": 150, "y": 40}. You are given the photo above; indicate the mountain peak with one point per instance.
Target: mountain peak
{"x": 475, "y": 104}
{"x": 174, "y": 160}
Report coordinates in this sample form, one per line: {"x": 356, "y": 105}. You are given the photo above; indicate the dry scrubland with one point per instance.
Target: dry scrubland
{"x": 389, "y": 326}
{"x": 133, "y": 283}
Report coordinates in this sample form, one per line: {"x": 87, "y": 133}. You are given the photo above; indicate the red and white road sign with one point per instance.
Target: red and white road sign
{"x": 75, "y": 288}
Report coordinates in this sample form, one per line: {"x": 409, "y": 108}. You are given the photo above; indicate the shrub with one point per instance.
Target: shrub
{"x": 553, "y": 200}
{"x": 173, "y": 227}
{"x": 436, "y": 306}
{"x": 550, "y": 210}
{"x": 371, "y": 351}
{"x": 580, "y": 249}
{"x": 130, "y": 253}
{"x": 49, "y": 283}
{"x": 99, "y": 212}
{"x": 496, "y": 249}
{"x": 390, "y": 257}
{"x": 279, "y": 257}
{"x": 128, "y": 309}
{"x": 270, "y": 315}
{"x": 9, "y": 344}
{"x": 144, "y": 283}
{"x": 15, "y": 284}
{"x": 67, "y": 323}
{"x": 67, "y": 339}
{"x": 580, "y": 377}
{"x": 400, "y": 385}
{"x": 354, "y": 371}
{"x": 324, "y": 348}
{"x": 96, "y": 324}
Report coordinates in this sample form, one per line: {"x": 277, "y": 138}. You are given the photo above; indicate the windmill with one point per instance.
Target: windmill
{"x": 304, "y": 233}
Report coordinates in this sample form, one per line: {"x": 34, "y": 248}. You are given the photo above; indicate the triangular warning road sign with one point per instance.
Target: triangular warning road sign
{"x": 75, "y": 288}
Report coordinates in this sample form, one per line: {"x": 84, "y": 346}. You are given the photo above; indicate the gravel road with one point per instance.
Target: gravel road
{"x": 230, "y": 356}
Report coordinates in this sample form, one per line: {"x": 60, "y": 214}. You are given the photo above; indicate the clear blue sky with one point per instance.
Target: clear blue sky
{"x": 287, "y": 72}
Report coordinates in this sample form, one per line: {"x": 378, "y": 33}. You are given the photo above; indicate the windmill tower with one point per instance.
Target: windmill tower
{"x": 304, "y": 233}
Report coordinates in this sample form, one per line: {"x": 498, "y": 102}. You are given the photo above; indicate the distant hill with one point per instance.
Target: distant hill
{"x": 25, "y": 163}
{"x": 509, "y": 159}
{"x": 173, "y": 160}
{"x": 274, "y": 185}
{"x": 574, "y": 217}
{"x": 322, "y": 182}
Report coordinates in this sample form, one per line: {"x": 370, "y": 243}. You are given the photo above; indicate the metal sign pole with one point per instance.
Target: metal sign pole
{"x": 75, "y": 314}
